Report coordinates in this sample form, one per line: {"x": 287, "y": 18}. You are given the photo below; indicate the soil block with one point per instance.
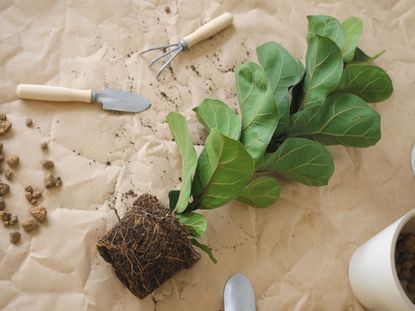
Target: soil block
{"x": 147, "y": 247}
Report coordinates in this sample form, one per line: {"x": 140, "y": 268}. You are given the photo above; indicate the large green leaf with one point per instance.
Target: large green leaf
{"x": 343, "y": 119}
{"x": 324, "y": 66}
{"x": 195, "y": 223}
{"x": 216, "y": 114}
{"x": 173, "y": 198}
{"x": 352, "y": 28}
{"x": 260, "y": 192}
{"x": 224, "y": 169}
{"x": 180, "y": 132}
{"x": 282, "y": 71}
{"x": 361, "y": 57}
{"x": 259, "y": 111}
{"x": 302, "y": 160}
{"x": 327, "y": 27}
{"x": 371, "y": 83}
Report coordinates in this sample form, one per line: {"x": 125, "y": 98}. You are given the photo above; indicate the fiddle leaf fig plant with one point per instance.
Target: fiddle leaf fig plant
{"x": 288, "y": 112}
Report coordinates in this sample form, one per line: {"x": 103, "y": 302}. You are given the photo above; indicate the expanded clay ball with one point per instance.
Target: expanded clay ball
{"x": 29, "y": 122}
{"x": 5, "y": 216}
{"x": 52, "y": 181}
{"x": 39, "y": 213}
{"x": 4, "y": 189}
{"x": 8, "y": 174}
{"x": 13, "y": 161}
{"x": 47, "y": 164}
{"x": 29, "y": 225}
{"x": 13, "y": 221}
{"x": 15, "y": 237}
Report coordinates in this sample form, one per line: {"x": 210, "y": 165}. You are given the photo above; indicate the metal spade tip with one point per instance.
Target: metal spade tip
{"x": 121, "y": 101}
{"x": 239, "y": 294}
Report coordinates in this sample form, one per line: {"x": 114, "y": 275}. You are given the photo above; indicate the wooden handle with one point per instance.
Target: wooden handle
{"x": 53, "y": 93}
{"x": 209, "y": 29}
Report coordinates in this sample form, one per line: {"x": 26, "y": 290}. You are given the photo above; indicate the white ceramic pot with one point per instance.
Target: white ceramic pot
{"x": 372, "y": 270}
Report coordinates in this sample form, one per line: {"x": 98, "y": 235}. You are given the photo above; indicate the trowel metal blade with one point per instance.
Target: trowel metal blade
{"x": 239, "y": 294}
{"x": 121, "y": 101}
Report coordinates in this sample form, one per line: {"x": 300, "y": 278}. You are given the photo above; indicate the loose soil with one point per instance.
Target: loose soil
{"x": 147, "y": 247}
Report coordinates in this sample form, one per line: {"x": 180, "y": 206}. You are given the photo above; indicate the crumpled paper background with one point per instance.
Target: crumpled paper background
{"x": 295, "y": 253}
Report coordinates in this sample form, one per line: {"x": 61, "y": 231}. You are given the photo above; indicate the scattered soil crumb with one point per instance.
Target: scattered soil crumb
{"x": 13, "y": 161}
{"x": 44, "y": 146}
{"x": 5, "y": 216}
{"x": 52, "y": 181}
{"x": 2, "y": 204}
{"x": 29, "y": 122}
{"x": 8, "y": 174}
{"x": 108, "y": 163}
{"x": 195, "y": 70}
{"x": 167, "y": 10}
{"x": 5, "y": 127}
{"x": 15, "y": 237}
{"x": 4, "y": 189}
{"x": 3, "y": 117}
{"x": 39, "y": 213}
{"x": 29, "y": 225}
{"x": 1, "y": 158}
{"x": 1, "y": 147}
{"x": 47, "y": 164}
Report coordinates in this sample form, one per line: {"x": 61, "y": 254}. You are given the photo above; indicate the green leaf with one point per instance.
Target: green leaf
{"x": 302, "y": 160}
{"x": 195, "y": 223}
{"x": 327, "y": 27}
{"x": 216, "y": 114}
{"x": 343, "y": 119}
{"x": 261, "y": 192}
{"x": 259, "y": 111}
{"x": 352, "y": 28}
{"x": 204, "y": 248}
{"x": 180, "y": 132}
{"x": 282, "y": 71}
{"x": 361, "y": 57}
{"x": 223, "y": 170}
{"x": 371, "y": 83}
{"x": 173, "y": 198}
{"x": 324, "y": 66}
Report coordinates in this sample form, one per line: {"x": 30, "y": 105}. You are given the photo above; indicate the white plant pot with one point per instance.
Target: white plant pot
{"x": 372, "y": 270}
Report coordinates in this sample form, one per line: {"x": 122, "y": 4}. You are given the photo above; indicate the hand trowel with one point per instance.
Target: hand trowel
{"x": 109, "y": 98}
{"x": 239, "y": 294}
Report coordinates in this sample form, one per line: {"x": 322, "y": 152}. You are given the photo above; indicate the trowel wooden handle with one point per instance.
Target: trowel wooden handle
{"x": 53, "y": 93}
{"x": 209, "y": 29}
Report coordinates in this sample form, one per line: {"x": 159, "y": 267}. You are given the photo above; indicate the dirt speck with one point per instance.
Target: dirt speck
{"x": 167, "y": 10}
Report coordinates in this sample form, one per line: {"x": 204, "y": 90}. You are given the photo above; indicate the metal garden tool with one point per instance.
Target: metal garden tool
{"x": 110, "y": 99}
{"x": 239, "y": 294}
{"x": 170, "y": 51}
